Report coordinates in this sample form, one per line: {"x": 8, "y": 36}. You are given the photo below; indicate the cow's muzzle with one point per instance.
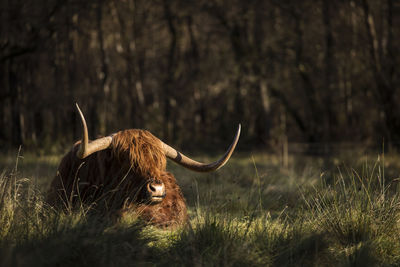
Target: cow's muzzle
{"x": 155, "y": 191}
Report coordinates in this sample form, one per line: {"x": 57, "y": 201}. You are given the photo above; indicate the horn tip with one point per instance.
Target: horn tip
{"x": 79, "y": 111}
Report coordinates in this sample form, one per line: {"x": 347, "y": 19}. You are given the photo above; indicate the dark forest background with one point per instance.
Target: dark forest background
{"x": 320, "y": 73}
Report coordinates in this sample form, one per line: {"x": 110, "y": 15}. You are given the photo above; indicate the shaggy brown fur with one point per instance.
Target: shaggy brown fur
{"x": 113, "y": 180}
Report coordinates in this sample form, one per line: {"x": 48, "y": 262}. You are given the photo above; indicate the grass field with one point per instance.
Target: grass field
{"x": 342, "y": 211}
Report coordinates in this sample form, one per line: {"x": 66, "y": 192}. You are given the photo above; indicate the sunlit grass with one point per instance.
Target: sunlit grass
{"x": 252, "y": 212}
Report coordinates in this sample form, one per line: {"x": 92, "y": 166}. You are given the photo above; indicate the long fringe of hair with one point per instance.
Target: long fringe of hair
{"x": 141, "y": 150}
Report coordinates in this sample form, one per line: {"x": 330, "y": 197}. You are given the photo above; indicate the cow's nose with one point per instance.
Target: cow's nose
{"x": 156, "y": 191}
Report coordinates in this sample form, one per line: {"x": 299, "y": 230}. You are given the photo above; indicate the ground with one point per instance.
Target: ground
{"x": 317, "y": 211}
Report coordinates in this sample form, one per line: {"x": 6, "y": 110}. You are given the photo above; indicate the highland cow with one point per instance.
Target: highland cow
{"x": 126, "y": 172}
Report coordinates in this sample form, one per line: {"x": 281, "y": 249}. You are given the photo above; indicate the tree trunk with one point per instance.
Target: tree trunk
{"x": 329, "y": 120}
{"x": 16, "y": 124}
{"x": 385, "y": 89}
{"x": 100, "y": 95}
{"x": 170, "y": 76}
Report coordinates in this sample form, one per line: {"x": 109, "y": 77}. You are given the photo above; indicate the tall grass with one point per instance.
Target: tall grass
{"x": 254, "y": 216}
{"x": 359, "y": 214}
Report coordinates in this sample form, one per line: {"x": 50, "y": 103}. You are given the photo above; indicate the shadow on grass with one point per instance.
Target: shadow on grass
{"x": 214, "y": 242}
{"x": 87, "y": 243}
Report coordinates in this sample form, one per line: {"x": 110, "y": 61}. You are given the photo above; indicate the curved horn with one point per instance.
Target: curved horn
{"x": 198, "y": 166}
{"x": 86, "y": 148}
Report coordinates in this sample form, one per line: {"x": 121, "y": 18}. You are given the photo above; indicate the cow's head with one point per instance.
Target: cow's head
{"x": 142, "y": 156}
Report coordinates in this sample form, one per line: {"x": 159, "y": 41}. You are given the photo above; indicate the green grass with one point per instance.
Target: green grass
{"x": 252, "y": 212}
